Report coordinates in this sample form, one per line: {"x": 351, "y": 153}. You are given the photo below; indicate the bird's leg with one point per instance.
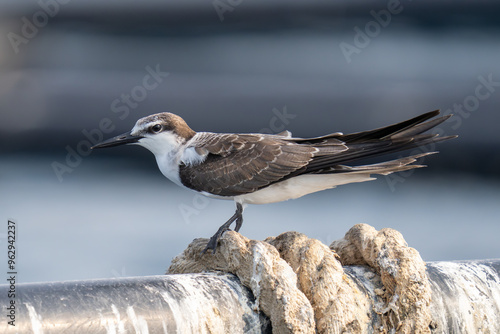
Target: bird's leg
{"x": 238, "y": 216}
{"x": 239, "y": 219}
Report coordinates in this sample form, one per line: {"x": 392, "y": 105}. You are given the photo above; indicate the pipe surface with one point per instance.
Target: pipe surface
{"x": 465, "y": 294}
{"x": 190, "y": 303}
{"x": 465, "y": 299}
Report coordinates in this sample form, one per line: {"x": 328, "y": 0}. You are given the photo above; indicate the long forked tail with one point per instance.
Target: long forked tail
{"x": 367, "y": 144}
{"x": 394, "y": 138}
{"x": 332, "y": 166}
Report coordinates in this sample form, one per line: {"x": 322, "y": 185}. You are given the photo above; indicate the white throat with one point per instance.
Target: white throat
{"x": 170, "y": 151}
{"x": 167, "y": 149}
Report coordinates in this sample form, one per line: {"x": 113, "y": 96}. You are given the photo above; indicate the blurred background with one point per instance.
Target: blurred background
{"x": 75, "y": 72}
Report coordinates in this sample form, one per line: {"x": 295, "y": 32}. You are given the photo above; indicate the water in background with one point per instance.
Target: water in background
{"x": 110, "y": 219}
{"x": 116, "y": 215}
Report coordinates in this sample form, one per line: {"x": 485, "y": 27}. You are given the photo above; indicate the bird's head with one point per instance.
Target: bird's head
{"x": 160, "y": 133}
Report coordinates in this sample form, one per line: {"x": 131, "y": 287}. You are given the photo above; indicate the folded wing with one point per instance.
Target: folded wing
{"x": 237, "y": 164}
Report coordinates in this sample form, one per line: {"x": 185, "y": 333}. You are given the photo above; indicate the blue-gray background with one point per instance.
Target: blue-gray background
{"x": 111, "y": 212}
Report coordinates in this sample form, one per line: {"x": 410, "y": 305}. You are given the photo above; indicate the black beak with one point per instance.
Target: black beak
{"x": 125, "y": 138}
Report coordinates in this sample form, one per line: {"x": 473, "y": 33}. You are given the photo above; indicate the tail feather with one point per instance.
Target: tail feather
{"x": 394, "y": 138}
{"x": 388, "y": 131}
{"x": 384, "y": 168}
{"x": 420, "y": 128}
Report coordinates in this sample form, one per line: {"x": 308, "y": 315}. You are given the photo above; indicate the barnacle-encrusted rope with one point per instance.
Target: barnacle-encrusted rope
{"x": 300, "y": 284}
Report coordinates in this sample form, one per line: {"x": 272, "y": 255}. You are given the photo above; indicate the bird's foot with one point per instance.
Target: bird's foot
{"x": 214, "y": 240}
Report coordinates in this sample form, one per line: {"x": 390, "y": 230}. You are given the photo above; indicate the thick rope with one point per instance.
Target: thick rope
{"x": 300, "y": 284}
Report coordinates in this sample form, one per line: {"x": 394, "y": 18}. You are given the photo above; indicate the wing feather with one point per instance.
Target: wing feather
{"x": 240, "y": 164}
{"x": 237, "y": 164}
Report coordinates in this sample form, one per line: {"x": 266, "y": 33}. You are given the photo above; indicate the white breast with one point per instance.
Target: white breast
{"x": 169, "y": 167}
{"x": 168, "y": 161}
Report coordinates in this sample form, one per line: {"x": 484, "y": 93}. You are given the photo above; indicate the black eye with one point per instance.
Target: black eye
{"x": 156, "y": 128}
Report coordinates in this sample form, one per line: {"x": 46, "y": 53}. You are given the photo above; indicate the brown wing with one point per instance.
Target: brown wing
{"x": 237, "y": 164}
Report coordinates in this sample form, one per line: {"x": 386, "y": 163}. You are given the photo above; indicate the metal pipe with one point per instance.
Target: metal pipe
{"x": 465, "y": 294}
{"x": 465, "y": 299}
{"x": 190, "y": 303}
